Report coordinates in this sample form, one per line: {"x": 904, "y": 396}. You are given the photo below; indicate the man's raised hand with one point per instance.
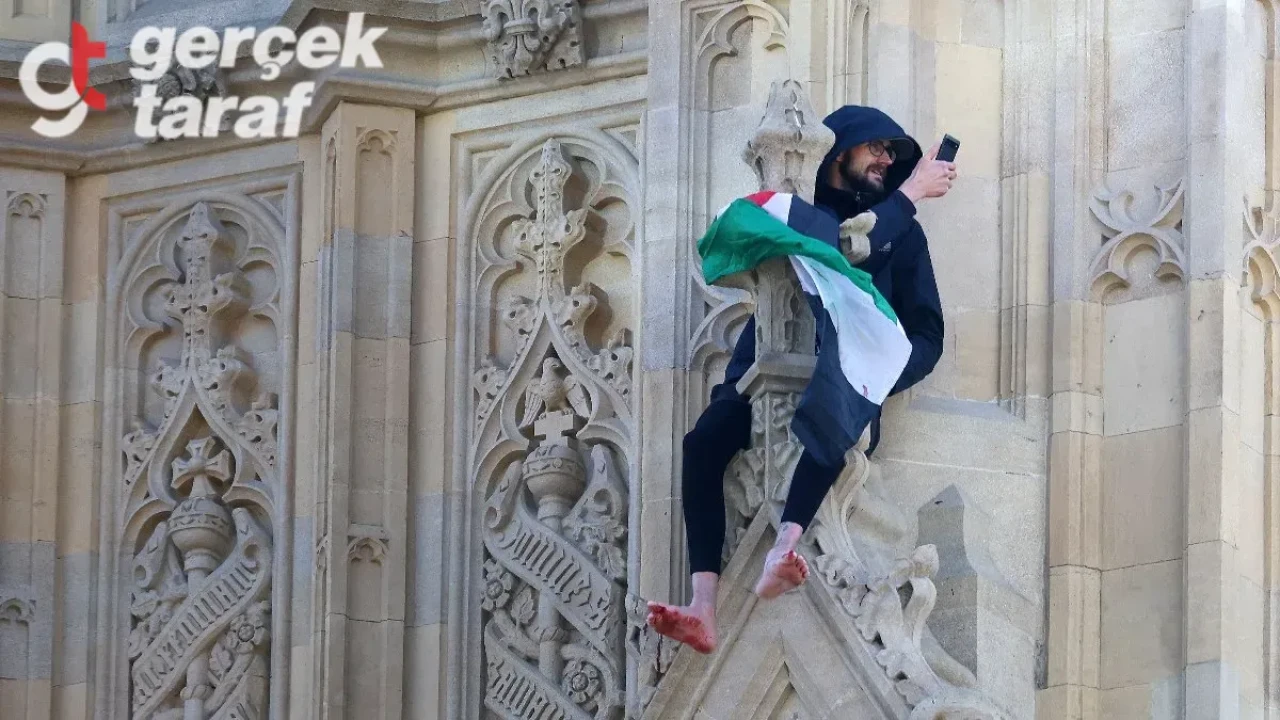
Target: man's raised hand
{"x": 932, "y": 177}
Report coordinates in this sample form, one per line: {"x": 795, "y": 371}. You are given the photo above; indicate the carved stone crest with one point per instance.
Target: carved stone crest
{"x": 531, "y": 36}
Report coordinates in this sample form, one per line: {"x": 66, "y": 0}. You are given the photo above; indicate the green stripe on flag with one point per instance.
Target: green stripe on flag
{"x": 745, "y": 235}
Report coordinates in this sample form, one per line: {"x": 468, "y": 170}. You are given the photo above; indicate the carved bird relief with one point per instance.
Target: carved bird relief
{"x": 555, "y": 394}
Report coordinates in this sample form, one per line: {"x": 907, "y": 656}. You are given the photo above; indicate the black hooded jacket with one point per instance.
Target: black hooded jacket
{"x": 899, "y": 264}
{"x": 831, "y": 416}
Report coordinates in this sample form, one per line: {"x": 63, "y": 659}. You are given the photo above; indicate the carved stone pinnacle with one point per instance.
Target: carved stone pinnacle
{"x": 790, "y": 142}
{"x": 785, "y": 152}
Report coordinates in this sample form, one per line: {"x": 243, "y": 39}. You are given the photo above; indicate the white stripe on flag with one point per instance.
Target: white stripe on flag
{"x": 779, "y": 206}
{"x": 873, "y": 348}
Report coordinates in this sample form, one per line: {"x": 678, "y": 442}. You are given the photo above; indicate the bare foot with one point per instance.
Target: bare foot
{"x": 693, "y": 625}
{"x": 782, "y": 572}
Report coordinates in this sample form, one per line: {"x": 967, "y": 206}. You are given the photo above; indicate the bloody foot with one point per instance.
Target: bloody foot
{"x": 692, "y": 625}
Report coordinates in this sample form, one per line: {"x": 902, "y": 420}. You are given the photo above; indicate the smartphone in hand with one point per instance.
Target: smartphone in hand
{"x": 947, "y": 151}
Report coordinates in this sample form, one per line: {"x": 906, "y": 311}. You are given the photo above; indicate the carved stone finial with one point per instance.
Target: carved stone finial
{"x": 203, "y": 234}
{"x": 556, "y": 428}
{"x": 789, "y": 145}
{"x": 547, "y": 237}
{"x": 205, "y": 246}
{"x": 202, "y": 526}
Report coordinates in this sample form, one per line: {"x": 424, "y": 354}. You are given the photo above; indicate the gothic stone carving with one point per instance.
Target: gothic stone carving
{"x": 764, "y": 469}
{"x": 18, "y": 626}
{"x": 553, "y": 424}
{"x": 883, "y": 618}
{"x": 717, "y": 311}
{"x": 367, "y": 544}
{"x": 197, "y": 83}
{"x": 530, "y": 36}
{"x": 26, "y": 205}
{"x": 17, "y": 610}
{"x": 199, "y": 470}
{"x": 1132, "y": 221}
{"x": 890, "y": 609}
{"x": 1259, "y": 269}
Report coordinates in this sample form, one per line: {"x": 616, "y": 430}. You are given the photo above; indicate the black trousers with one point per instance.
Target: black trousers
{"x": 722, "y": 430}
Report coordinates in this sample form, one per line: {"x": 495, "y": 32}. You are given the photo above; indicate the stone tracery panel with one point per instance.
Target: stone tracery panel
{"x": 553, "y": 429}
{"x": 1132, "y": 222}
{"x": 199, "y": 497}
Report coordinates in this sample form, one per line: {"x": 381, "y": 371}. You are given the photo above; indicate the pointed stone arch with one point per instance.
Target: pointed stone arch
{"x": 848, "y": 31}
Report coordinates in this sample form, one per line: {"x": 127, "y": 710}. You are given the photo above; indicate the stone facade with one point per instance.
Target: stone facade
{"x": 384, "y": 421}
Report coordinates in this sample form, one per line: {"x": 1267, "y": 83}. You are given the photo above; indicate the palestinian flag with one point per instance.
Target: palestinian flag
{"x": 873, "y": 348}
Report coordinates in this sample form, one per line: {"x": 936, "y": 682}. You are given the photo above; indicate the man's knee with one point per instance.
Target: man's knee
{"x": 705, "y": 436}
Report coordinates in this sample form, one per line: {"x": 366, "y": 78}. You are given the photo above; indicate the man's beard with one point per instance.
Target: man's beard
{"x": 860, "y": 183}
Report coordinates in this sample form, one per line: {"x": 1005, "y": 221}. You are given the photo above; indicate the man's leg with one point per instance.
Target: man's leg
{"x": 784, "y": 568}
{"x": 723, "y": 429}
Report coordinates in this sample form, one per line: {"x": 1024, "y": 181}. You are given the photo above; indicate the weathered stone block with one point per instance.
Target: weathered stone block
{"x": 1143, "y": 364}
{"x": 1142, "y": 623}
{"x": 1142, "y": 498}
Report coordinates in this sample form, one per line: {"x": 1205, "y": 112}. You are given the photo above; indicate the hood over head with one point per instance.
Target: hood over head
{"x": 854, "y": 125}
